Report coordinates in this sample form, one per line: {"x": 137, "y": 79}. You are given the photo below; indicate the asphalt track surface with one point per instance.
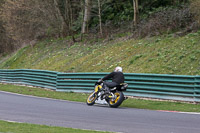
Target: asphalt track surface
{"x": 28, "y": 109}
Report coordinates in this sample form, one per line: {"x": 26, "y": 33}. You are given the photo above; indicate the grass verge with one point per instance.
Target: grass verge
{"x": 11, "y": 127}
{"x": 81, "y": 97}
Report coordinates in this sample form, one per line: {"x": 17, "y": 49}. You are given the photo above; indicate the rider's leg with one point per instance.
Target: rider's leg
{"x": 109, "y": 85}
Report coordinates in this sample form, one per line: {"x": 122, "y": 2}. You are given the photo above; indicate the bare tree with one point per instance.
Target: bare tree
{"x": 26, "y": 20}
{"x": 136, "y": 12}
{"x": 61, "y": 17}
{"x": 100, "y": 22}
{"x": 86, "y": 15}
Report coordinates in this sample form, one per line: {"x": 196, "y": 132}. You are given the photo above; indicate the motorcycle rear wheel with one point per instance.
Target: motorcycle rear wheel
{"x": 92, "y": 98}
{"x": 117, "y": 102}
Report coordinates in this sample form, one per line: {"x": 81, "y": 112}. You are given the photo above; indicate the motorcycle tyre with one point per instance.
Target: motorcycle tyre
{"x": 119, "y": 101}
{"x": 93, "y": 101}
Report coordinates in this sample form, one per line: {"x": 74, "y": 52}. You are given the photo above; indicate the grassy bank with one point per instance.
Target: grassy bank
{"x": 161, "y": 54}
{"x": 81, "y": 97}
{"x": 10, "y": 127}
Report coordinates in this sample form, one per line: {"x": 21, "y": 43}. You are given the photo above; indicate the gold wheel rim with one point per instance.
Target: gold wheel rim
{"x": 91, "y": 98}
{"x": 118, "y": 96}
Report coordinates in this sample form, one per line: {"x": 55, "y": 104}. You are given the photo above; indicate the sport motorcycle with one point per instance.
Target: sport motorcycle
{"x": 114, "y": 97}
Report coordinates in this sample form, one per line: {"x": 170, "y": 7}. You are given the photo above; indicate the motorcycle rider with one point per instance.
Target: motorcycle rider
{"x": 117, "y": 78}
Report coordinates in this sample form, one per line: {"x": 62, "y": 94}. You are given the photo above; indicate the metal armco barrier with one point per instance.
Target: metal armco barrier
{"x": 162, "y": 86}
{"x": 38, "y": 78}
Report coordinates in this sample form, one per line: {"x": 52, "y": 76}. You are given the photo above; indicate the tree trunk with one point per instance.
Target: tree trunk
{"x": 136, "y": 12}
{"x": 100, "y": 22}
{"x": 60, "y": 16}
{"x": 86, "y": 16}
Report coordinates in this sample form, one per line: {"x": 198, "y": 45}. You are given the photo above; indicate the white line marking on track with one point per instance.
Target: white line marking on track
{"x": 10, "y": 121}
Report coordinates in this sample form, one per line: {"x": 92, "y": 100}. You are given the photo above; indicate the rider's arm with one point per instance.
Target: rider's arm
{"x": 108, "y": 76}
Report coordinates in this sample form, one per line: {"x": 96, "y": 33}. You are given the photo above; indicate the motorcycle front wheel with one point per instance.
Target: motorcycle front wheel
{"x": 92, "y": 98}
{"x": 114, "y": 103}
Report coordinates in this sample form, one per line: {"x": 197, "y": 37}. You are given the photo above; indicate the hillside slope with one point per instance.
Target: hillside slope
{"x": 160, "y": 54}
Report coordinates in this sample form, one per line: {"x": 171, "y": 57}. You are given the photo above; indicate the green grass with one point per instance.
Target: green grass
{"x": 10, "y": 127}
{"x": 161, "y": 54}
{"x": 161, "y": 105}
{"x": 81, "y": 97}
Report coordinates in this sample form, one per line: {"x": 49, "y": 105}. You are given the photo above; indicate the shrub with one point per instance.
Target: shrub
{"x": 195, "y": 9}
{"x": 167, "y": 20}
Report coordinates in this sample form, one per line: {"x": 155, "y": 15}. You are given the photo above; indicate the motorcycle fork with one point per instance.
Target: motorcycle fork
{"x": 97, "y": 89}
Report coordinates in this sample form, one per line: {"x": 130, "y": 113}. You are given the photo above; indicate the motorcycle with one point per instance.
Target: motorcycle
{"x": 114, "y": 97}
